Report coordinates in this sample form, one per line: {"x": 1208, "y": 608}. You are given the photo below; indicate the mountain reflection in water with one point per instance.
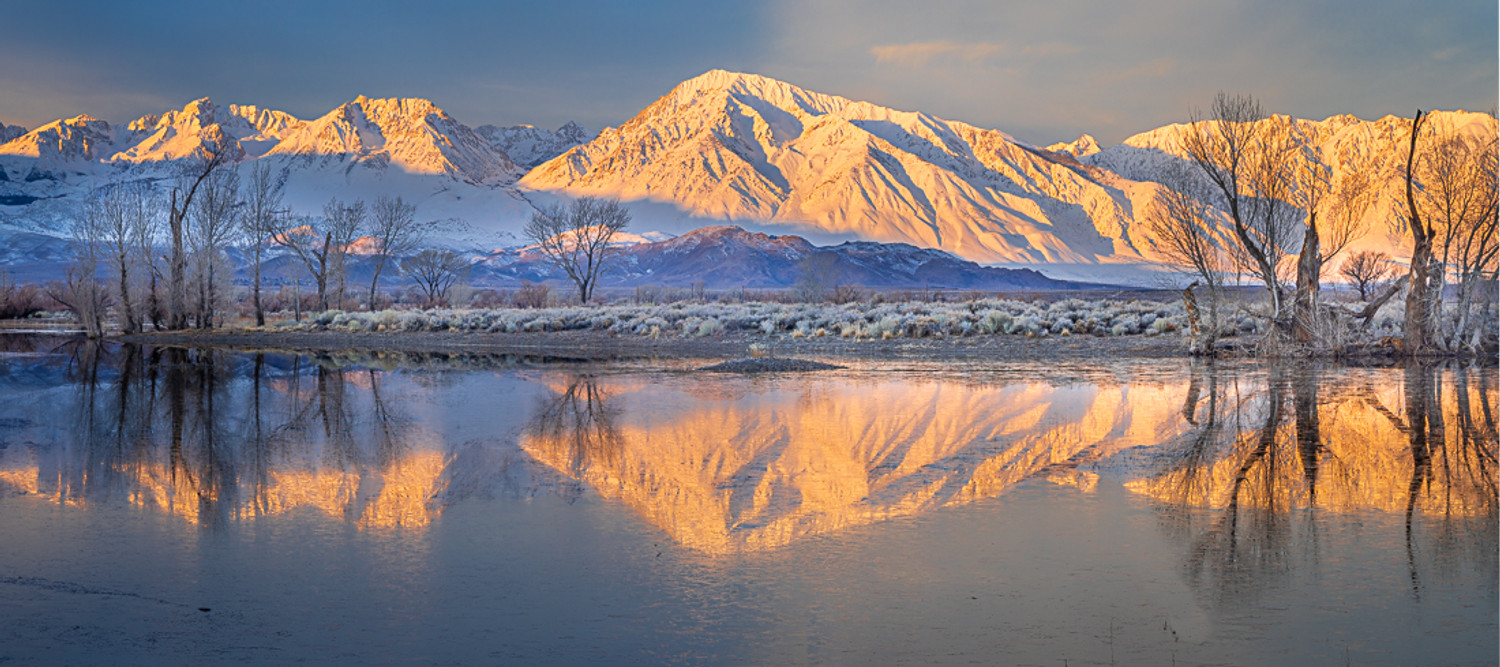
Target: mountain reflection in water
{"x": 1239, "y": 459}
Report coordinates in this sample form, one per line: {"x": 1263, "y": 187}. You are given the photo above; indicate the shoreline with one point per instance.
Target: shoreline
{"x": 603, "y": 346}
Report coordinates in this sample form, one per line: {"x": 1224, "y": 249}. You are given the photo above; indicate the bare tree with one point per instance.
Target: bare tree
{"x": 436, "y": 270}
{"x": 80, "y": 290}
{"x": 1183, "y": 225}
{"x": 262, "y": 221}
{"x": 1365, "y": 270}
{"x": 120, "y": 218}
{"x": 1244, "y": 156}
{"x": 1458, "y": 195}
{"x": 321, "y": 243}
{"x": 212, "y": 225}
{"x": 307, "y": 240}
{"x": 345, "y": 222}
{"x": 214, "y": 158}
{"x": 396, "y": 232}
{"x": 576, "y": 238}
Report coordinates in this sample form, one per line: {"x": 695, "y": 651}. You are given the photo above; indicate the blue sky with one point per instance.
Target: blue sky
{"x": 1042, "y": 71}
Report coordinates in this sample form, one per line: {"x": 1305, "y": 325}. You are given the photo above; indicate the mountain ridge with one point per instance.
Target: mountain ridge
{"x": 722, "y": 147}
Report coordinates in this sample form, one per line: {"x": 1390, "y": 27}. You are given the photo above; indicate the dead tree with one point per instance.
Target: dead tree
{"x": 1417, "y": 328}
{"x": 1334, "y": 206}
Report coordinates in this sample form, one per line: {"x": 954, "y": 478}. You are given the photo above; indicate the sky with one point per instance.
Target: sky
{"x": 1042, "y": 71}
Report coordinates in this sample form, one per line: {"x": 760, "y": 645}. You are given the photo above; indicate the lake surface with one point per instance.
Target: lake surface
{"x": 172, "y": 506}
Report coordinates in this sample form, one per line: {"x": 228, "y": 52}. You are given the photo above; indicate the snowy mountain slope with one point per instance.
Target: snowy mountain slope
{"x": 1342, "y": 143}
{"x": 529, "y": 146}
{"x": 738, "y": 146}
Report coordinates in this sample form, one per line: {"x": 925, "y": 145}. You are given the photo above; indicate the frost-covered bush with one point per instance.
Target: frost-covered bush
{"x": 860, "y": 320}
{"x": 994, "y": 321}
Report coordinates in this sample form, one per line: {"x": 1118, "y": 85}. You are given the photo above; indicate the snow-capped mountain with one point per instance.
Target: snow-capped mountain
{"x": 410, "y": 134}
{"x": 77, "y": 139}
{"x": 529, "y": 146}
{"x": 366, "y": 147}
{"x": 739, "y": 146}
{"x": 724, "y": 146}
{"x": 193, "y": 130}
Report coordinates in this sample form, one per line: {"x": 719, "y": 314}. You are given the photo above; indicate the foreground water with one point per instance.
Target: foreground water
{"x": 175, "y": 506}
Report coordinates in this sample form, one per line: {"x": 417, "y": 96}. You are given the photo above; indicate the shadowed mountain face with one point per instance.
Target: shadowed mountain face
{"x": 725, "y": 257}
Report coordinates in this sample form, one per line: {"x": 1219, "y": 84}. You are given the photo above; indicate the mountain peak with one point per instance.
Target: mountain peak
{"x": 411, "y": 133}
{"x": 81, "y": 137}
{"x": 1081, "y": 147}
{"x": 785, "y": 96}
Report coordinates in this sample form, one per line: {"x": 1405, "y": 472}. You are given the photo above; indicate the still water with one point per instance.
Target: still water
{"x": 172, "y": 506}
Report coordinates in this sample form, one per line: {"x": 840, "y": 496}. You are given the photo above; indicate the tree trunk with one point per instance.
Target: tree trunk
{"x": 260, "y": 314}
{"x": 125, "y": 307}
{"x": 375, "y": 281}
{"x": 1309, "y": 268}
{"x": 177, "y": 279}
{"x": 323, "y": 273}
{"x": 1417, "y": 329}
{"x": 1368, "y": 314}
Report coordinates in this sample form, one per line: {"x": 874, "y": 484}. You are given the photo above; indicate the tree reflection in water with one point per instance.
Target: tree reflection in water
{"x": 1272, "y": 453}
{"x": 575, "y": 429}
{"x": 214, "y": 437}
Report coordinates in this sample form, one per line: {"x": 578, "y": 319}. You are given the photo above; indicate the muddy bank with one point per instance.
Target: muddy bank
{"x": 603, "y": 346}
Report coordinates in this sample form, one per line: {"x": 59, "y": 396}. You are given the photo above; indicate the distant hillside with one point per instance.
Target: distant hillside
{"x": 726, "y": 257}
